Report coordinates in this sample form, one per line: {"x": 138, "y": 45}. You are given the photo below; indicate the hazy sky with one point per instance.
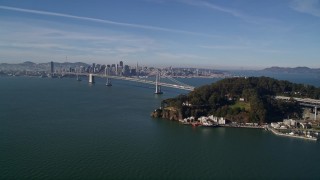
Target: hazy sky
{"x": 201, "y": 33}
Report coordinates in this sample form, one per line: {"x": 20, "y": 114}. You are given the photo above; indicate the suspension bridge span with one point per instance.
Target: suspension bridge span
{"x": 158, "y": 84}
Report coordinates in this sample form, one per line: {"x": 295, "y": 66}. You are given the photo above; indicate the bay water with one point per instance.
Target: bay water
{"x": 64, "y": 129}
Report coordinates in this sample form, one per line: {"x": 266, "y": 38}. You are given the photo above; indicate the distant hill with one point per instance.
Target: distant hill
{"x": 31, "y": 66}
{"x": 292, "y": 70}
{"x": 69, "y": 64}
{"x": 29, "y": 63}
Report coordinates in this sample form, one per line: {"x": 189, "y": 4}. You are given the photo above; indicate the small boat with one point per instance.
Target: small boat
{"x": 195, "y": 124}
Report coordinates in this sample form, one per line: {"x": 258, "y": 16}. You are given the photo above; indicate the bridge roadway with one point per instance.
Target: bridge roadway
{"x": 187, "y": 88}
{"x": 303, "y": 101}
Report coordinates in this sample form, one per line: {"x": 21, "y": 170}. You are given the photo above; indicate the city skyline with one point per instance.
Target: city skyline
{"x": 214, "y": 34}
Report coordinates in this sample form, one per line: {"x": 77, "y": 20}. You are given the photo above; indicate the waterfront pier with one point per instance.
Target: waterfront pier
{"x": 292, "y": 135}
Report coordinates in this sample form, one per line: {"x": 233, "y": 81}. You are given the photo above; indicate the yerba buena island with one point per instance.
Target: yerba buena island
{"x": 253, "y": 102}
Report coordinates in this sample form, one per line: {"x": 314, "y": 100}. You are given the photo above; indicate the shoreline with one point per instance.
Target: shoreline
{"x": 274, "y": 131}
{"x": 247, "y": 127}
{"x": 293, "y": 136}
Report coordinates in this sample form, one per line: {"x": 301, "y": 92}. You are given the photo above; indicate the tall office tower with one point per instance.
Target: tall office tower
{"x": 126, "y": 70}
{"x": 133, "y": 72}
{"x": 121, "y": 64}
{"x": 93, "y": 67}
{"x": 52, "y": 67}
{"x": 137, "y": 69}
{"x": 120, "y": 70}
{"x": 97, "y": 67}
{"x": 113, "y": 69}
{"x": 82, "y": 69}
{"x": 102, "y": 67}
{"x": 117, "y": 68}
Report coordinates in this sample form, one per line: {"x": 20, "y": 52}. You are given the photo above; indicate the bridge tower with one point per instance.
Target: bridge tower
{"x": 107, "y": 74}
{"x": 158, "y": 87}
{"x": 77, "y": 74}
{"x": 91, "y": 79}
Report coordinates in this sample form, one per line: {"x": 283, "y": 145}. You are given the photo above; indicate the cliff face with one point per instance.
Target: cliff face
{"x": 167, "y": 113}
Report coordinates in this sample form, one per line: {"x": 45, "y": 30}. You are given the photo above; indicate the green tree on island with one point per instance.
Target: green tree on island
{"x": 244, "y": 100}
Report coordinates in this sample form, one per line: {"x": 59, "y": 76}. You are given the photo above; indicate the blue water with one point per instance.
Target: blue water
{"x": 64, "y": 129}
{"x": 303, "y": 78}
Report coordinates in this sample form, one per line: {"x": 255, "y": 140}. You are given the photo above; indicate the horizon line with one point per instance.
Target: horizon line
{"x": 222, "y": 67}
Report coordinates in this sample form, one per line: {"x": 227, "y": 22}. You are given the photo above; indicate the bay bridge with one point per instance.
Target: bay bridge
{"x": 307, "y": 102}
{"x": 157, "y": 82}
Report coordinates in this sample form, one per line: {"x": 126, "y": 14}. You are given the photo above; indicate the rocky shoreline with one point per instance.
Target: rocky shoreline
{"x": 167, "y": 113}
